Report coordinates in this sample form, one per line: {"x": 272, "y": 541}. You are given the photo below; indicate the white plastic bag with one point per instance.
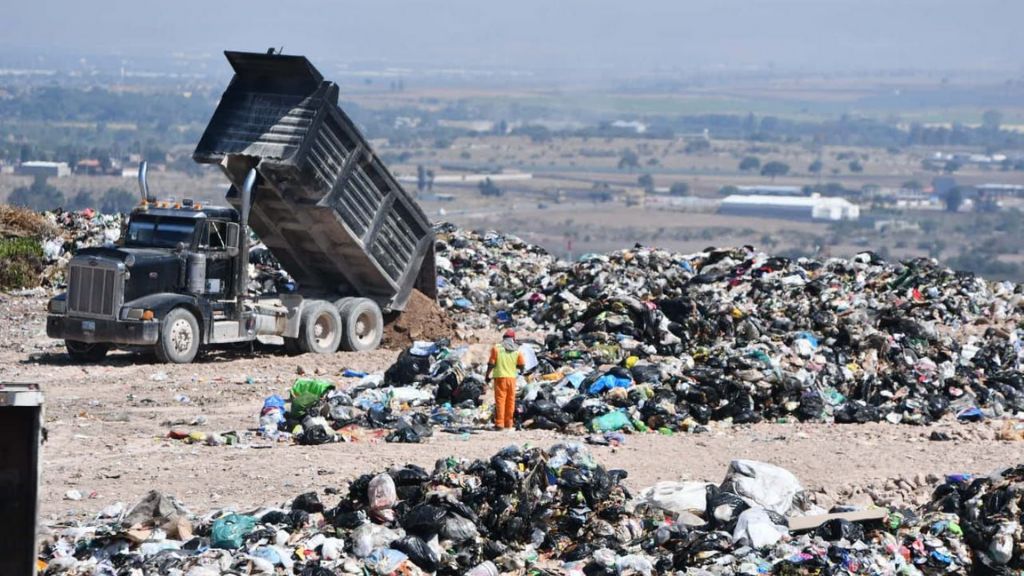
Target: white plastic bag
{"x": 529, "y": 358}
{"x": 763, "y": 485}
{"x": 755, "y": 528}
{"x": 381, "y": 492}
{"x": 677, "y": 497}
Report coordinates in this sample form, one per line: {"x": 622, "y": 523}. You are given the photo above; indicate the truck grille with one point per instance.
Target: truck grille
{"x": 94, "y": 290}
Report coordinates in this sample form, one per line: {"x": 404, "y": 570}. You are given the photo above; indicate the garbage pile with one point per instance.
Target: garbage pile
{"x": 743, "y": 336}
{"x": 428, "y": 386}
{"x": 75, "y": 230}
{"x": 554, "y": 511}
{"x": 480, "y": 277}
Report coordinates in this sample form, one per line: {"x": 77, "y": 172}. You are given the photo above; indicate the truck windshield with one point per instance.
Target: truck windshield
{"x": 160, "y": 232}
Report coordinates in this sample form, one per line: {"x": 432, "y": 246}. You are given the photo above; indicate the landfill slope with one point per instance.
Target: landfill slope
{"x": 739, "y": 335}
{"x": 120, "y": 412}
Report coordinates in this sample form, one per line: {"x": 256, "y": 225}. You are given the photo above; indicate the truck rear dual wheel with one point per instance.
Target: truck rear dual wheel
{"x": 320, "y": 330}
{"x": 362, "y": 324}
{"x": 179, "y": 338}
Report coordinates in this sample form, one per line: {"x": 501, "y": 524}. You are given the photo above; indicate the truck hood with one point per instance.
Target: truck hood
{"x": 148, "y": 255}
{"x": 154, "y": 270}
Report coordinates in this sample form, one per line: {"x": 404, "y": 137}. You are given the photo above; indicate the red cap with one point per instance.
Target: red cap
{"x": 510, "y": 334}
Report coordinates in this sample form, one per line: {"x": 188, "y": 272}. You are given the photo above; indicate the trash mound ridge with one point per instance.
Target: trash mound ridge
{"x": 554, "y": 511}
{"x": 748, "y": 335}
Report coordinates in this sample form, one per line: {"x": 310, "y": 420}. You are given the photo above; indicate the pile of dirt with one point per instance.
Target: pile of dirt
{"x": 21, "y": 223}
{"x": 422, "y": 319}
{"x": 21, "y": 255}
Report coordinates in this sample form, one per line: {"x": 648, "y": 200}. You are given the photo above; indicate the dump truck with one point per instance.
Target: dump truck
{"x": 306, "y": 182}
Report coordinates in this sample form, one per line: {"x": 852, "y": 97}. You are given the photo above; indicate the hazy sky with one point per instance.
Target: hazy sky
{"x": 533, "y": 34}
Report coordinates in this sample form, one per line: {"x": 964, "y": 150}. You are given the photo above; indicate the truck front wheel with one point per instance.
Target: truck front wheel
{"x": 320, "y": 329}
{"x": 363, "y": 325}
{"x": 179, "y": 337}
{"x": 86, "y": 352}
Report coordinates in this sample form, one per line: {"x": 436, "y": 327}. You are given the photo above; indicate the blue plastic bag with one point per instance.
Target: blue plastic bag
{"x": 274, "y": 401}
{"x": 607, "y": 382}
{"x": 575, "y": 379}
{"x": 809, "y": 337}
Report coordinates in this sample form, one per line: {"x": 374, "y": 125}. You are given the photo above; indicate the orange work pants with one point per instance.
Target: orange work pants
{"x": 504, "y": 402}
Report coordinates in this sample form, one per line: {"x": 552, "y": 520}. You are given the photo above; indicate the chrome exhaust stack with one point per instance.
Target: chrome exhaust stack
{"x": 143, "y": 182}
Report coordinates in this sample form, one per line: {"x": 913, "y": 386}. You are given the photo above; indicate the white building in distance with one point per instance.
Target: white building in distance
{"x": 805, "y": 208}
{"x": 46, "y": 169}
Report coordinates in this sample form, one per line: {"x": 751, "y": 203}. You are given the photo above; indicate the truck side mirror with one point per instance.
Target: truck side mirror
{"x": 232, "y": 239}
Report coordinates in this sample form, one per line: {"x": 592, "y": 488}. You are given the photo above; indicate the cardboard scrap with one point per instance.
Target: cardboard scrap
{"x": 803, "y": 523}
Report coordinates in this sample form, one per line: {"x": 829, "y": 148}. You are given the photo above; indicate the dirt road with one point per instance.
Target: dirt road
{"x": 107, "y": 426}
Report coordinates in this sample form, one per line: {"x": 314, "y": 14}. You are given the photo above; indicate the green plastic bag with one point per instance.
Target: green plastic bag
{"x": 305, "y": 392}
{"x": 229, "y": 531}
{"x": 610, "y": 422}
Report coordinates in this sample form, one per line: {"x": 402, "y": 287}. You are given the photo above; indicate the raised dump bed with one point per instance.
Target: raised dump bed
{"x": 325, "y": 205}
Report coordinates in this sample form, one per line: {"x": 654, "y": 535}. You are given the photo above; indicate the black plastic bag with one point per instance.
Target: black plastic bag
{"x": 506, "y": 475}
{"x": 812, "y": 407}
{"x": 419, "y": 552}
{"x": 349, "y": 519}
{"x": 408, "y": 475}
{"x": 646, "y": 374}
{"x": 276, "y": 518}
{"x": 574, "y": 404}
{"x": 358, "y": 488}
{"x": 298, "y": 518}
{"x": 723, "y": 508}
{"x": 407, "y": 369}
{"x": 411, "y": 493}
{"x": 379, "y": 417}
{"x": 403, "y": 436}
{"x": 423, "y": 520}
{"x": 314, "y": 436}
{"x": 854, "y": 412}
{"x": 309, "y": 502}
{"x": 839, "y": 529}
{"x": 457, "y": 528}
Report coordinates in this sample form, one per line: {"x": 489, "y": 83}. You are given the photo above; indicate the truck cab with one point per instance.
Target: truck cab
{"x": 171, "y": 256}
{"x": 201, "y": 231}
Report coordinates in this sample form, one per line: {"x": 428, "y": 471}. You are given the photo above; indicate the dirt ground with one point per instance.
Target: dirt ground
{"x": 107, "y": 427}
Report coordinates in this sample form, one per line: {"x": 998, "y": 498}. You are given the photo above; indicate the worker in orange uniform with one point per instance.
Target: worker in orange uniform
{"x": 505, "y": 364}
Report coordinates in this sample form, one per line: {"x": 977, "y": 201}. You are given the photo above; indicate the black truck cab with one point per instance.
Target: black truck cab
{"x": 190, "y": 229}
{"x": 170, "y": 255}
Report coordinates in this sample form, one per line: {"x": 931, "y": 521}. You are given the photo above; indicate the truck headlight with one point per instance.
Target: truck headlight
{"x": 56, "y": 306}
{"x": 139, "y": 314}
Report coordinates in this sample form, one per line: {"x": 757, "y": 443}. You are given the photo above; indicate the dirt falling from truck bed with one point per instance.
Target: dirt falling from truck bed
{"x": 422, "y": 319}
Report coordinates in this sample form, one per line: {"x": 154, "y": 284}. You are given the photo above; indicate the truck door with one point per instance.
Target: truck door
{"x": 219, "y": 265}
